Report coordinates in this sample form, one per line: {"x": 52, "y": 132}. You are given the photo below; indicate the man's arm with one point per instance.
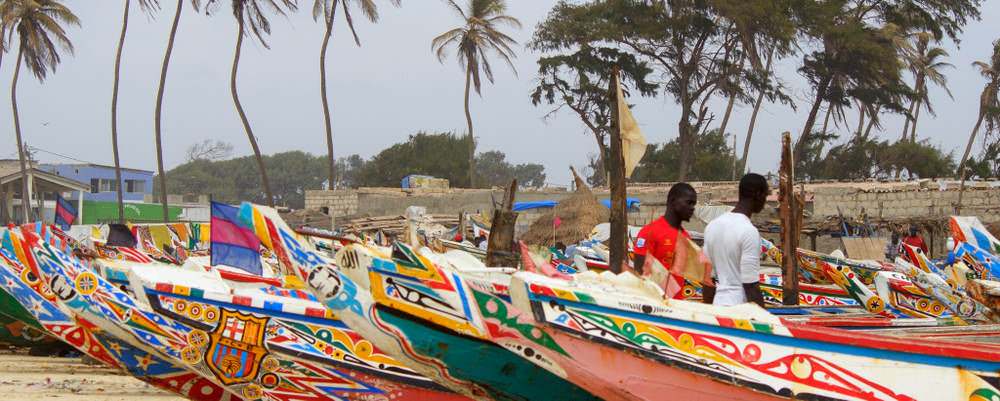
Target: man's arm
{"x": 641, "y": 249}
{"x": 750, "y": 266}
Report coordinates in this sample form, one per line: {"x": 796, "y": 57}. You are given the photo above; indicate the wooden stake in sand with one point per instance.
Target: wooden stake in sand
{"x": 500, "y": 247}
{"x": 790, "y": 223}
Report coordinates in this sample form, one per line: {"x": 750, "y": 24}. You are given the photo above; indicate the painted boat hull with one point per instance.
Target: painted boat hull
{"x": 322, "y": 343}
{"x": 632, "y": 377}
{"x": 504, "y": 374}
{"x": 753, "y": 352}
{"x": 83, "y": 335}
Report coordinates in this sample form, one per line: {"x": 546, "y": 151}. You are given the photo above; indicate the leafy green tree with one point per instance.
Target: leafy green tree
{"x": 234, "y": 180}
{"x": 493, "y": 170}
{"x": 919, "y": 159}
{"x": 40, "y": 33}
{"x": 988, "y": 164}
{"x": 327, "y": 9}
{"x": 695, "y": 44}
{"x": 579, "y": 82}
{"x": 925, "y": 65}
{"x": 712, "y": 160}
{"x": 423, "y": 153}
{"x": 857, "y": 43}
{"x": 348, "y": 171}
{"x": 252, "y": 19}
{"x": 480, "y": 34}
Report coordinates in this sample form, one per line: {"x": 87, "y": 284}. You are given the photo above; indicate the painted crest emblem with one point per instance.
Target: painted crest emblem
{"x": 236, "y": 347}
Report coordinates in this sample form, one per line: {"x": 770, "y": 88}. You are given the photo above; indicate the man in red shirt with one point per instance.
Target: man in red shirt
{"x": 916, "y": 241}
{"x": 659, "y": 237}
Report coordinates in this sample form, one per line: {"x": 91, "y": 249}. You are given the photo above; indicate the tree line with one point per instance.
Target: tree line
{"x": 875, "y": 57}
{"x": 210, "y": 171}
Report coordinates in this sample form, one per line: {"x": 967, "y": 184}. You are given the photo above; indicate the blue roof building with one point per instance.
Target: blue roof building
{"x": 136, "y": 183}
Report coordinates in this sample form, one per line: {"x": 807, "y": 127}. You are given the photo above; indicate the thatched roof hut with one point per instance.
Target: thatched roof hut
{"x": 578, "y": 213}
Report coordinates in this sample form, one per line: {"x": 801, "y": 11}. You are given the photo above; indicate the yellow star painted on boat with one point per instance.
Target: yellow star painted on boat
{"x": 117, "y": 348}
{"x": 145, "y": 361}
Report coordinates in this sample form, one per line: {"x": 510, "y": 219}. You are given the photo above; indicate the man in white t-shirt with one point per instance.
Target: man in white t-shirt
{"x": 732, "y": 243}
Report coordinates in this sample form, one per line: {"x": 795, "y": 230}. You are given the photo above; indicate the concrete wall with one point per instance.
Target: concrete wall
{"x": 885, "y": 200}
{"x": 923, "y": 202}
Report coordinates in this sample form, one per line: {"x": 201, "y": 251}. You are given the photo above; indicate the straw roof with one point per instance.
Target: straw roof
{"x": 579, "y": 213}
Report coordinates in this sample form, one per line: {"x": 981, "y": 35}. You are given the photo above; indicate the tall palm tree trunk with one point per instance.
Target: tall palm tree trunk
{"x": 157, "y": 127}
{"x": 25, "y": 202}
{"x": 114, "y": 115}
{"x": 965, "y": 158}
{"x": 472, "y": 138}
{"x": 800, "y": 145}
{"x": 913, "y": 127}
{"x": 326, "y": 103}
{"x": 826, "y": 119}
{"x": 861, "y": 119}
{"x": 753, "y": 116}
{"x": 906, "y": 124}
{"x": 243, "y": 116}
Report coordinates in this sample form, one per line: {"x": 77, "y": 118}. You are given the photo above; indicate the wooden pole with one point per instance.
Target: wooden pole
{"x": 790, "y": 223}
{"x": 618, "y": 191}
{"x": 500, "y": 248}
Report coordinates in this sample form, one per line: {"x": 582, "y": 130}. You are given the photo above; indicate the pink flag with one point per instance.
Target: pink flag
{"x": 556, "y": 222}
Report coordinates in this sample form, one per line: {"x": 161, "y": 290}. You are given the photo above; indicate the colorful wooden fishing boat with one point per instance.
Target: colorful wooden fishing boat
{"x": 299, "y": 328}
{"x": 25, "y": 286}
{"x": 232, "y": 352}
{"x": 423, "y": 294}
{"x": 443, "y": 345}
{"x": 693, "y": 351}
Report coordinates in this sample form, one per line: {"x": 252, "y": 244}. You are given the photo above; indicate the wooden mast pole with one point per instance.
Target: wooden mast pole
{"x": 790, "y": 224}
{"x": 618, "y": 192}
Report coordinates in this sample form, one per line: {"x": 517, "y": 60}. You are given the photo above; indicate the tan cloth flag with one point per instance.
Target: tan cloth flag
{"x": 633, "y": 142}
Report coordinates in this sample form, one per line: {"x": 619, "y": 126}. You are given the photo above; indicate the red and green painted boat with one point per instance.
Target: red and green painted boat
{"x": 651, "y": 347}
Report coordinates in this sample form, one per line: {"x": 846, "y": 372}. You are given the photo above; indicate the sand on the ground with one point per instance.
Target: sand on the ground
{"x": 30, "y": 378}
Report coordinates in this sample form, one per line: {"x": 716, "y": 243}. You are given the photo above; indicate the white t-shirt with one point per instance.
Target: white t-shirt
{"x": 732, "y": 244}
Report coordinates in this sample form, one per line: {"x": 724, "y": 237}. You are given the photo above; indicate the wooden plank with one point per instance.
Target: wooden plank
{"x": 864, "y": 248}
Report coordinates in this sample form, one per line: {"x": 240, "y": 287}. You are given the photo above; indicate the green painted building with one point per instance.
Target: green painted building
{"x": 96, "y": 212}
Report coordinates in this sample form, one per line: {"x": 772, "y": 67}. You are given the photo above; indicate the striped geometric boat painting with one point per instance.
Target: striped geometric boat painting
{"x": 355, "y": 308}
{"x": 432, "y": 303}
{"x": 700, "y": 352}
{"x": 276, "y": 377}
{"x": 88, "y": 339}
{"x": 300, "y": 331}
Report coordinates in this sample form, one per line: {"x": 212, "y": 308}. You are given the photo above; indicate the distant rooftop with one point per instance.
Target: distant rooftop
{"x": 135, "y": 170}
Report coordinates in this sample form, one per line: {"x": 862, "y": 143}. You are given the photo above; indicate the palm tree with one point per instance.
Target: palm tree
{"x": 753, "y": 115}
{"x": 327, "y": 9}
{"x": 989, "y": 109}
{"x": 926, "y": 65}
{"x": 479, "y": 35}
{"x": 147, "y": 6}
{"x": 40, "y": 36}
{"x": 251, "y": 18}
{"x": 157, "y": 126}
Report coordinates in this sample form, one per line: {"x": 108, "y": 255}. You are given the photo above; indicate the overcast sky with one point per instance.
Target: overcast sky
{"x": 382, "y": 92}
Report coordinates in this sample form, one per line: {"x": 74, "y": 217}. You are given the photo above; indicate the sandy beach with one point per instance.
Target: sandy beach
{"x": 29, "y": 378}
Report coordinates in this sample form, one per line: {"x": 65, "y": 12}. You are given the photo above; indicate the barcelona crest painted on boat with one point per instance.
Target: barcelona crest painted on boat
{"x": 236, "y": 348}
